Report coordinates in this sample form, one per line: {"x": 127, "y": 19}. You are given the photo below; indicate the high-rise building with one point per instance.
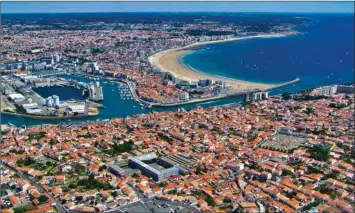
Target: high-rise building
{"x": 260, "y": 95}
{"x": 49, "y": 101}
{"x": 205, "y": 82}
{"x": 94, "y": 67}
{"x": 95, "y": 92}
{"x": 326, "y": 90}
{"x": 57, "y": 57}
{"x": 55, "y": 100}
{"x": 345, "y": 89}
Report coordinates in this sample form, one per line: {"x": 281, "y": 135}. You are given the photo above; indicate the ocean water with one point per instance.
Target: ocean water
{"x": 322, "y": 54}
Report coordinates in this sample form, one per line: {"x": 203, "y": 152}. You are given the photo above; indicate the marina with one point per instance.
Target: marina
{"x": 124, "y": 92}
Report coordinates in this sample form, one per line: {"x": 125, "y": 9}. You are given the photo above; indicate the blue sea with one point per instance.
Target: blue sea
{"x": 322, "y": 54}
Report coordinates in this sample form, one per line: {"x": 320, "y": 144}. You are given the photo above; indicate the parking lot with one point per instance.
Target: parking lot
{"x": 153, "y": 205}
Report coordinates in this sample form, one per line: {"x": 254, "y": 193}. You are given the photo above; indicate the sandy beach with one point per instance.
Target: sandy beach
{"x": 168, "y": 60}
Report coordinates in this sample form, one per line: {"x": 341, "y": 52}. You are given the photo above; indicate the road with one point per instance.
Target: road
{"x": 58, "y": 205}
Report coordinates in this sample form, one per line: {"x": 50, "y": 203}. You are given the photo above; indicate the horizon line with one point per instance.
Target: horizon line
{"x": 289, "y": 12}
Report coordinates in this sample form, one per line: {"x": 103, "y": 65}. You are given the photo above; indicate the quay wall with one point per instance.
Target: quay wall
{"x": 40, "y": 117}
{"x": 241, "y": 93}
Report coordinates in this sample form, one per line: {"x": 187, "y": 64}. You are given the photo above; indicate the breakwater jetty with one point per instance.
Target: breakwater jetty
{"x": 282, "y": 85}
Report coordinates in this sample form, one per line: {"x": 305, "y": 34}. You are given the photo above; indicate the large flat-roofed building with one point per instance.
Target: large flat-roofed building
{"x": 149, "y": 165}
{"x": 182, "y": 163}
{"x": 349, "y": 89}
{"x": 121, "y": 172}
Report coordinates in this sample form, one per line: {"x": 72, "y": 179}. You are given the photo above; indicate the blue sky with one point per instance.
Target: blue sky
{"x": 52, "y": 7}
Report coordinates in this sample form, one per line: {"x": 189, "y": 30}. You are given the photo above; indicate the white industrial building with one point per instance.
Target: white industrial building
{"x": 30, "y": 105}
{"x": 77, "y": 107}
{"x": 49, "y": 101}
{"x": 184, "y": 96}
{"x": 33, "y": 111}
{"x": 55, "y": 100}
{"x": 16, "y": 97}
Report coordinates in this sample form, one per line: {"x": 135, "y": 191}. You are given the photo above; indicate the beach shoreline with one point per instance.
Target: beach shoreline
{"x": 171, "y": 61}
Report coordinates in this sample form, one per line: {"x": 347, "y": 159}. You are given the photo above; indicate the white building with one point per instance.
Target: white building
{"x": 184, "y": 96}
{"x": 55, "y": 100}
{"x": 49, "y": 101}
{"x": 57, "y": 57}
{"x": 326, "y": 90}
{"x": 77, "y": 107}
{"x": 94, "y": 67}
{"x": 95, "y": 92}
{"x": 16, "y": 97}
{"x": 260, "y": 95}
{"x": 33, "y": 111}
{"x": 30, "y": 105}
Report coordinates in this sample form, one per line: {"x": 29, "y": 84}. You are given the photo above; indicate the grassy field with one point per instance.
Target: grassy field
{"x": 6, "y": 105}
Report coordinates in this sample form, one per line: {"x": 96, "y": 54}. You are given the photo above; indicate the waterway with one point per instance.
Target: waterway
{"x": 65, "y": 93}
{"x": 114, "y": 105}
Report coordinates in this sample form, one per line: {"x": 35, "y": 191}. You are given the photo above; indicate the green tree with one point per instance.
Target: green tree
{"x": 43, "y": 199}
{"x": 19, "y": 210}
{"x": 205, "y": 169}
{"x": 82, "y": 182}
{"x": 210, "y": 201}
{"x": 198, "y": 169}
{"x": 320, "y": 152}
{"x": 308, "y": 110}
{"x": 72, "y": 186}
{"x": 79, "y": 168}
{"x": 114, "y": 193}
{"x": 227, "y": 200}
{"x": 53, "y": 141}
{"x": 286, "y": 95}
